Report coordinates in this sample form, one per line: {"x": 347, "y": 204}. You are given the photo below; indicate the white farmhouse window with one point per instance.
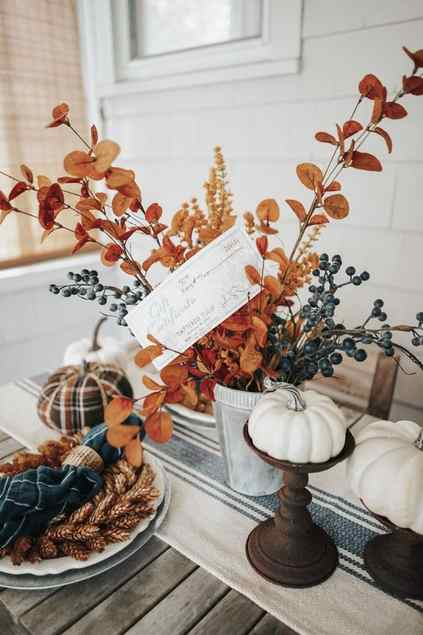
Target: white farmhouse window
{"x": 137, "y": 45}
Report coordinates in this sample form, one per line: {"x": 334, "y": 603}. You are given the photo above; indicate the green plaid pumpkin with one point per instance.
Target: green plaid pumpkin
{"x": 75, "y": 396}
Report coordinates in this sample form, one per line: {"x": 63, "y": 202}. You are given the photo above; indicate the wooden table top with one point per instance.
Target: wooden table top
{"x": 157, "y": 591}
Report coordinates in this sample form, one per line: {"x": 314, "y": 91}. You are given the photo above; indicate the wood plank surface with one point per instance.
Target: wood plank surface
{"x": 63, "y": 608}
{"x": 134, "y": 599}
{"x": 269, "y": 625}
{"x": 182, "y": 608}
{"x": 233, "y": 614}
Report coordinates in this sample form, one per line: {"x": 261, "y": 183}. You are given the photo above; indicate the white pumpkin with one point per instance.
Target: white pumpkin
{"x": 103, "y": 350}
{"x": 386, "y": 471}
{"x": 312, "y": 433}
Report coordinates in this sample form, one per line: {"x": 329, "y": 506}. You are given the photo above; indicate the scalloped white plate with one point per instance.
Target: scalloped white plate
{"x": 60, "y": 565}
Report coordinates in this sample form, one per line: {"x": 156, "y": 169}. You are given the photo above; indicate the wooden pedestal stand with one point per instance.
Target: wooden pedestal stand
{"x": 395, "y": 560}
{"x": 290, "y": 549}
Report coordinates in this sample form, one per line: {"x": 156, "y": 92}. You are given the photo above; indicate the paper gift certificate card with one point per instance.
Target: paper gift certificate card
{"x": 198, "y": 296}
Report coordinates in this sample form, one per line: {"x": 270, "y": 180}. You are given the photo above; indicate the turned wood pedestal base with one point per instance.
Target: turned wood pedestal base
{"x": 395, "y": 561}
{"x": 290, "y": 549}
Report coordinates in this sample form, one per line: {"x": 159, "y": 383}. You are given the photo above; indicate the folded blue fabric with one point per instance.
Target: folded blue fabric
{"x": 29, "y": 501}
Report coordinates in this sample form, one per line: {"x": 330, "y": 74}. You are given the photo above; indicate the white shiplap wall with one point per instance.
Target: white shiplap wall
{"x": 266, "y": 127}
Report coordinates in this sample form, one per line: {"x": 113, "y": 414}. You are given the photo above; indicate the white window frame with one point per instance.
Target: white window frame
{"x": 105, "y": 35}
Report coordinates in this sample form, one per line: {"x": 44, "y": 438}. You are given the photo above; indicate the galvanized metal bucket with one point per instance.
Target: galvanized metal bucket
{"x": 244, "y": 471}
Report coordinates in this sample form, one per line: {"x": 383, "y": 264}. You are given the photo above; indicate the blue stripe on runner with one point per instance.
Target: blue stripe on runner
{"x": 348, "y": 533}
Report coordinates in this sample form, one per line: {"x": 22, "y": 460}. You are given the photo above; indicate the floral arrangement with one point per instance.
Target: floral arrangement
{"x": 273, "y": 335}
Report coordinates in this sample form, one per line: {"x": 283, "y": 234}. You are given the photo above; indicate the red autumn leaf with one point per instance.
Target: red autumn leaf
{"x": 94, "y": 135}
{"x": 413, "y": 85}
{"x": 120, "y": 204}
{"x": 365, "y": 161}
{"x": 266, "y": 229}
{"x": 392, "y": 110}
{"x": 65, "y": 179}
{"x": 118, "y": 410}
{"x": 105, "y": 153}
{"x": 416, "y": 57}
{"x": 54, "y": 198}
{"x": 268, "y": 211}
{"x": 153, "y": 213}
{"x": 318, "y": 219}
{"x": 250, "y": 359}
{"x": 273, "y": 285}
{"x": 297, "y": 208}
{"x": 151, "y": 384}
{"x": 159, "y": 228}
{"x": 147, "y": 355}
{"x": 350, "y": 127}
{"x": 111, "y": 254}
{"x": 130, "y": 268}
{"x": 207, "y": 388}
{"x": 382, "y": 133}
{"x": 80, "y": 232}
{"x": 131, "y": 190}
{"x": 134, "y": 452}
{"x": 377, "y": 111}
{"x": 17, "y": 189}
{"x": 262, "y": 244}
{"x": 46, "y": 216}
{"x": 325, "y": 137}
{"x": 117, "y": 177}
{"x": 88, "y": 204}
{"x": 5, "y": 206}
{"x": 237, "y": 322}
{"x": 371, "y": 87}
{"x": 153, "y": 402}
{"x": 260, "y": 330}
{"x": 173, "y": 375}
{"x": 159, "y": 427}
{"x": 335, "y": 186}
{"x": 80, "y": 244}
{"x": 59, "y": 115}
{"x": 309, "y": 175}
{"x": 27, "y": 173}
{"x": 78, "y": 163}
{"x": 336, "y": 206}
{"x": 118, "y": 436}
{"x": 252, "y": 274}
{"x": 278, "y": 255}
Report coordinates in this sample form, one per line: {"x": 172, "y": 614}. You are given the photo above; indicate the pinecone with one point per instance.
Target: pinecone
{"x": 81, "y": 533}
{"x": 74, "y": 550}
{"x": 98, "y": 543}
{"x": 48, "y": 549}
{"x": 126, "y": 468}
{"x": 82, "y": 514}
{"x": 100, "y": 513}
{"x": 127, "y": 522}
{"x": 34, "y": 554}
{"x": 115, "y": 535}
{"x": 119, "y": 509}
{"x": 21, "y": 546}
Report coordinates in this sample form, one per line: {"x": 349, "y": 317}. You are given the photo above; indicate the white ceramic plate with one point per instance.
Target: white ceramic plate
{"x": 60, "y": 565}
{"x": 192, "y": 415}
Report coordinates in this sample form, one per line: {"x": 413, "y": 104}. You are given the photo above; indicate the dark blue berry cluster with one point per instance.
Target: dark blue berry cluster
{"x": 320, "y": 343}
{"x": 86, "y": 286}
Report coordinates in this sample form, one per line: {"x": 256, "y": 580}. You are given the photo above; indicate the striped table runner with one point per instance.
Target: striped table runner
{"x": 208, "y": 522}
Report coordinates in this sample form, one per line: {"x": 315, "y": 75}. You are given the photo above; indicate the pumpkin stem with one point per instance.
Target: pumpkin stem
{"x": 419, "y": 441}
{"x": 95, "y": 346}
{"x": 296, "y": 401}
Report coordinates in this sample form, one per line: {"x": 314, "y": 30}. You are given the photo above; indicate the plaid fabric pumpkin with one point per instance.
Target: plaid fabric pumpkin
{"x": 75, "y": 396}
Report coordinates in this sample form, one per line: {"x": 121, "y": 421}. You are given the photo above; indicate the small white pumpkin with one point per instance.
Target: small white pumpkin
{"x": 296, "y": 426}
{"x": 386, "y": 471}
{"x": 103, "y": 350}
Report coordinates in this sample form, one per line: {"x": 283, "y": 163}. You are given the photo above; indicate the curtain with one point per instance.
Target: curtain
{"x": 39, "y": 68}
